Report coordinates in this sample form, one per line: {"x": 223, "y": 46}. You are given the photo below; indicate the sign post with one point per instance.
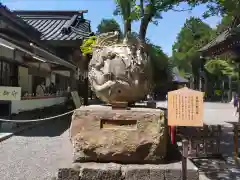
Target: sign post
{"x": 185, "y": 108}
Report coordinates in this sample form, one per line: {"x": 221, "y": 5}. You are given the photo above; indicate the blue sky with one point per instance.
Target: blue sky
{"x": 164, "y": 34}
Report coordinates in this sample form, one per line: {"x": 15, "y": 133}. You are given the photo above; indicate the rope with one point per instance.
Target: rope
{"x": 35, "y": 120}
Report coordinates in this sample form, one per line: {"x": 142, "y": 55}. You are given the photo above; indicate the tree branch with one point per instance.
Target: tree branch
{"x": 142, "y": 8}
{"x": 127, "y": 21}
{"x": 146, "y": 19}
{"x": 181, "y": 10}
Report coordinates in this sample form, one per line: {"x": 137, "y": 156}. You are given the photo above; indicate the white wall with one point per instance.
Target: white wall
{"x": 53, "y": 78}
{"x": 40, "y": 65}
{"x": 48, "y": 81}
{"x": 9, "y": 53}
{"x": 30, "y": 84}
{"x": 23, "y": 78}
{"x": 6, "y": 52}
{"x": 27, "y": 105}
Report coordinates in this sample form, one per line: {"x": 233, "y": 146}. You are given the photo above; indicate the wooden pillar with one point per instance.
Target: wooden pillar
{"x": 184, "y": 159}
{"x": 73, "y": 81}
{"x": 238, "y": 91}
{"x": 229, "y": 89}
{"x": 235, "y": 140}
{"x": 85, "y": 96}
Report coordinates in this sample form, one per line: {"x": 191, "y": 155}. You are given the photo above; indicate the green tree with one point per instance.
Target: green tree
{"x": 160, "y": 63}
{"x": 224, "y": 24}
{"x": 162, "y": 68}
{"x": 193, "y": 35}
{"x": 108, "y": 25}
{"x": 146, "y": 11}
{"x": 220, "y": 69}
{"x": 223, "y": 7}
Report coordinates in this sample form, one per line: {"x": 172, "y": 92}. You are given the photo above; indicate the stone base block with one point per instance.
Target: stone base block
{"x": 151, "y": 104}
{"x": 112, "y": 171}
{"x": 94, "y": 171}
{"x": 68, "y": 174}
{"x": 135, "y": 136}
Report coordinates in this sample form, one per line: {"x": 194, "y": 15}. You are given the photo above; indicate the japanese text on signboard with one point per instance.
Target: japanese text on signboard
{"x": 185, "y": 108}
{"x": 8, "y": 93}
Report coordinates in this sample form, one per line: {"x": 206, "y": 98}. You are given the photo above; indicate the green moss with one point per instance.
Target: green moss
{"x": 87, "y": 46}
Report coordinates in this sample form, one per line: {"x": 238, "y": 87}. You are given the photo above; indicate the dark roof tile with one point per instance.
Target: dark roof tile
{"x": 49, "y": 12}
{"x": 219, "y": 39}
{"x": 51, "y": 26}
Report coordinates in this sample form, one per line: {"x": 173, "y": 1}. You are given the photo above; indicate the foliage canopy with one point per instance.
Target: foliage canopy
{"x": 191, "y": 37}
{"x": 108, "y": 25}
{"x": 87, "y": 46}
{"x": 219, "y": 67}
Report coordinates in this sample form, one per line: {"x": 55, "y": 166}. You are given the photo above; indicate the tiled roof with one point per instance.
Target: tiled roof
{"x": 227, "y": 33}
{"x": 53, "y": 25}
{"x": 219, "y": 39}
{"x": 179, "y": 79}
{"x": 176, "y": 77}
{"x": 7, "y": 14}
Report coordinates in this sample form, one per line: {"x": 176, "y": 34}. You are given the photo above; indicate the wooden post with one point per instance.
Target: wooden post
{"x": 235, "y": 140}
{"x": 73, "y": 81}
{"x": 238, "y": 92}
{"x": 184, "y": 159}
{"x": 173, "y": 134}
{"x": 85, "y": 97}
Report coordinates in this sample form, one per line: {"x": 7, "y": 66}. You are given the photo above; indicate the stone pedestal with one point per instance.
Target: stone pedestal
{"x": 135, "y": 136}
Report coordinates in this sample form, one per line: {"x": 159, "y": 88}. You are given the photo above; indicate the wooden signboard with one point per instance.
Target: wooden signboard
{"x": 8, "y": 93}
{"x": 185, "y": 107}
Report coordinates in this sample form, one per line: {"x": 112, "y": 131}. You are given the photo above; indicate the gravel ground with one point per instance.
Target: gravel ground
{"x": 37, "y": 153}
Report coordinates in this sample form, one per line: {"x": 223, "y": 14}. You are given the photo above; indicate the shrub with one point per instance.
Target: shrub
{"x": 87, "y": 46}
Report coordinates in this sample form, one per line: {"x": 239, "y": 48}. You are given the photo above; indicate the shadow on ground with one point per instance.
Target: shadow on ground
{"x": 222, "y": 168}
{"x": 51, "y": 128}
{"x": 54, "y": 128}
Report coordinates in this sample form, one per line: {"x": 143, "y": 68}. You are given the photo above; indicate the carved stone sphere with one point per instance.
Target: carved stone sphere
{"x": 120, "y": 72}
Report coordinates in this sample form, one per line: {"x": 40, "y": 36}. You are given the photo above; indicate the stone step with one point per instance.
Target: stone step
{"x": 112, "y": 171}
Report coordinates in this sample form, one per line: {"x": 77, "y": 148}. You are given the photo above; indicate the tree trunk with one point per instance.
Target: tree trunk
{"x": 142, "y": 8}
{"x": 200, "y": 83}
{"x": 222, "y": 90}
{"x": 229, "y": 89}
{"x": 127, "y": 27}
{"x": 127, "y": 20}
{"x": 143, "y": 27}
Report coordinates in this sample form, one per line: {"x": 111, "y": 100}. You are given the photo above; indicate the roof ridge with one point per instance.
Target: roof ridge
{"x": 50, "y": 12}
{"x": 43, "y": 17}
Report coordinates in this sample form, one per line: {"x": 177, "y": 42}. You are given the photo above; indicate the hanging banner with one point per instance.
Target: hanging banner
{"x": 185, "y": 107}
{"x": 8, "y": 93}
